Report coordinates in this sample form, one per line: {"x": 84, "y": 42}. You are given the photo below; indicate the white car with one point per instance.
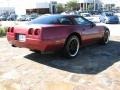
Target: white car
{"x": 90, "y": 17}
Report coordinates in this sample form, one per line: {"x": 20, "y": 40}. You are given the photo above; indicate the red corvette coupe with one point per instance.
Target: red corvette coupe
{"x": 57, "y": 32}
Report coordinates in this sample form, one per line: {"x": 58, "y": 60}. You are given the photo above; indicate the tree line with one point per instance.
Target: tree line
{"x": 71, "y": 5}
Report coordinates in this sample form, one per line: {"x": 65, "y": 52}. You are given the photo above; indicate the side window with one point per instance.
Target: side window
{"x": 65, "y": 21}
{"x": 82, "y": 21}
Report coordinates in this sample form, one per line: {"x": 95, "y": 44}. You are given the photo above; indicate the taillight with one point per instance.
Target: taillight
{"x": 12, "y": 29}
{"x": 30, "y": 31}
{"x": 37, "y": 32}
{"x": 8, "y": 29}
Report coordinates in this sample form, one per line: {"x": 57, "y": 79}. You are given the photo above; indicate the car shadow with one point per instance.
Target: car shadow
{"x": 90, "y": 60}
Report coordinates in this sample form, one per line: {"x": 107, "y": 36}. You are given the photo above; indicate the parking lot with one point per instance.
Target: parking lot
{"x": 95, "y": 67}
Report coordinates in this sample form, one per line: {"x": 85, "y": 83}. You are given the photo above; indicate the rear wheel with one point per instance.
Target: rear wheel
{"x": 72, "y": 46}
{"x": 35, "y": 51}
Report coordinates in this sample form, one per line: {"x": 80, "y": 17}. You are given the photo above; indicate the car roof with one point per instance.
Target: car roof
{"x": 59, "y": 15}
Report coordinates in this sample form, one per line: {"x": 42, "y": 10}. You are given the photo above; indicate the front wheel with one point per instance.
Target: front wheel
{"x": 71, "y": 47}
{"x": 105, "y": 38}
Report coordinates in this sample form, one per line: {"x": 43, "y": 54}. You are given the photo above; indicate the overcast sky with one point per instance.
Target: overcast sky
{"x": 24, "y": 3}
{"x": 62, "y": 1}
{"x": 30, "y": 3}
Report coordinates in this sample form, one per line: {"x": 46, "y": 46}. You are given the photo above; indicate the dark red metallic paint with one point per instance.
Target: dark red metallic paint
{"x": 52, "y": 37}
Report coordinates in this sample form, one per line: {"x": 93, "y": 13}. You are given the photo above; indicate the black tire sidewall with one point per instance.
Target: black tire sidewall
{"x": 103, "y": 39}
{"x": 66, "y": 51}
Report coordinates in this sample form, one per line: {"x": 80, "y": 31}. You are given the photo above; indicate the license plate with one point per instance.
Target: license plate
{"x": 21, "y": 38}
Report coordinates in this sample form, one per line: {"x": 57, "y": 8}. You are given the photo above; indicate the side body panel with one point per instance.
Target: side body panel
{"x": 53, "y": 37}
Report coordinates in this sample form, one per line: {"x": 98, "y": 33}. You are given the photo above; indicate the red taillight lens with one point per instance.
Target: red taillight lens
{"x": 30, "y": 31}
{"x": 12, "y": 29}
{"x": 8, "y": 29}
{"x": 37, "y": 32}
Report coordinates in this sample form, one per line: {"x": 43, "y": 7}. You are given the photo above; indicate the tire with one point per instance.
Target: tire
{"x": 71, "y": 47}
{"x": 35, "y": 51}
{"x": 105, "y": 38}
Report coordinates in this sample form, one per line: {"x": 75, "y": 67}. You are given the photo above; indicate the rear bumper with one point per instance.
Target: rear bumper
{"x": 36, "y": 44}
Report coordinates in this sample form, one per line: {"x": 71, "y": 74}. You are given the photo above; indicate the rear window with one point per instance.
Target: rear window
{"x": 45, "y": 20}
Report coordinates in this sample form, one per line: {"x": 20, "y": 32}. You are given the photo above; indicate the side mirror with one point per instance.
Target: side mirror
{"x": 92, "y": 24}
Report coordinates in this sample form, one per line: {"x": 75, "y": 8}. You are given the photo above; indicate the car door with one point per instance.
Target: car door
{"x": 89, "y": 32}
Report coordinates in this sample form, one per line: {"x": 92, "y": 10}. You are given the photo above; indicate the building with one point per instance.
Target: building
{"x": 108, "y": 4}
{"x": 37, "y": 7}
{"x": 49, "y": 6}
{"x": 42, "y": 8}
{"x": 98, "y": 4}
{"x": 6, "y": 8}
{"x": 86, "y": 5}
{"x": 28, "y": 6}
